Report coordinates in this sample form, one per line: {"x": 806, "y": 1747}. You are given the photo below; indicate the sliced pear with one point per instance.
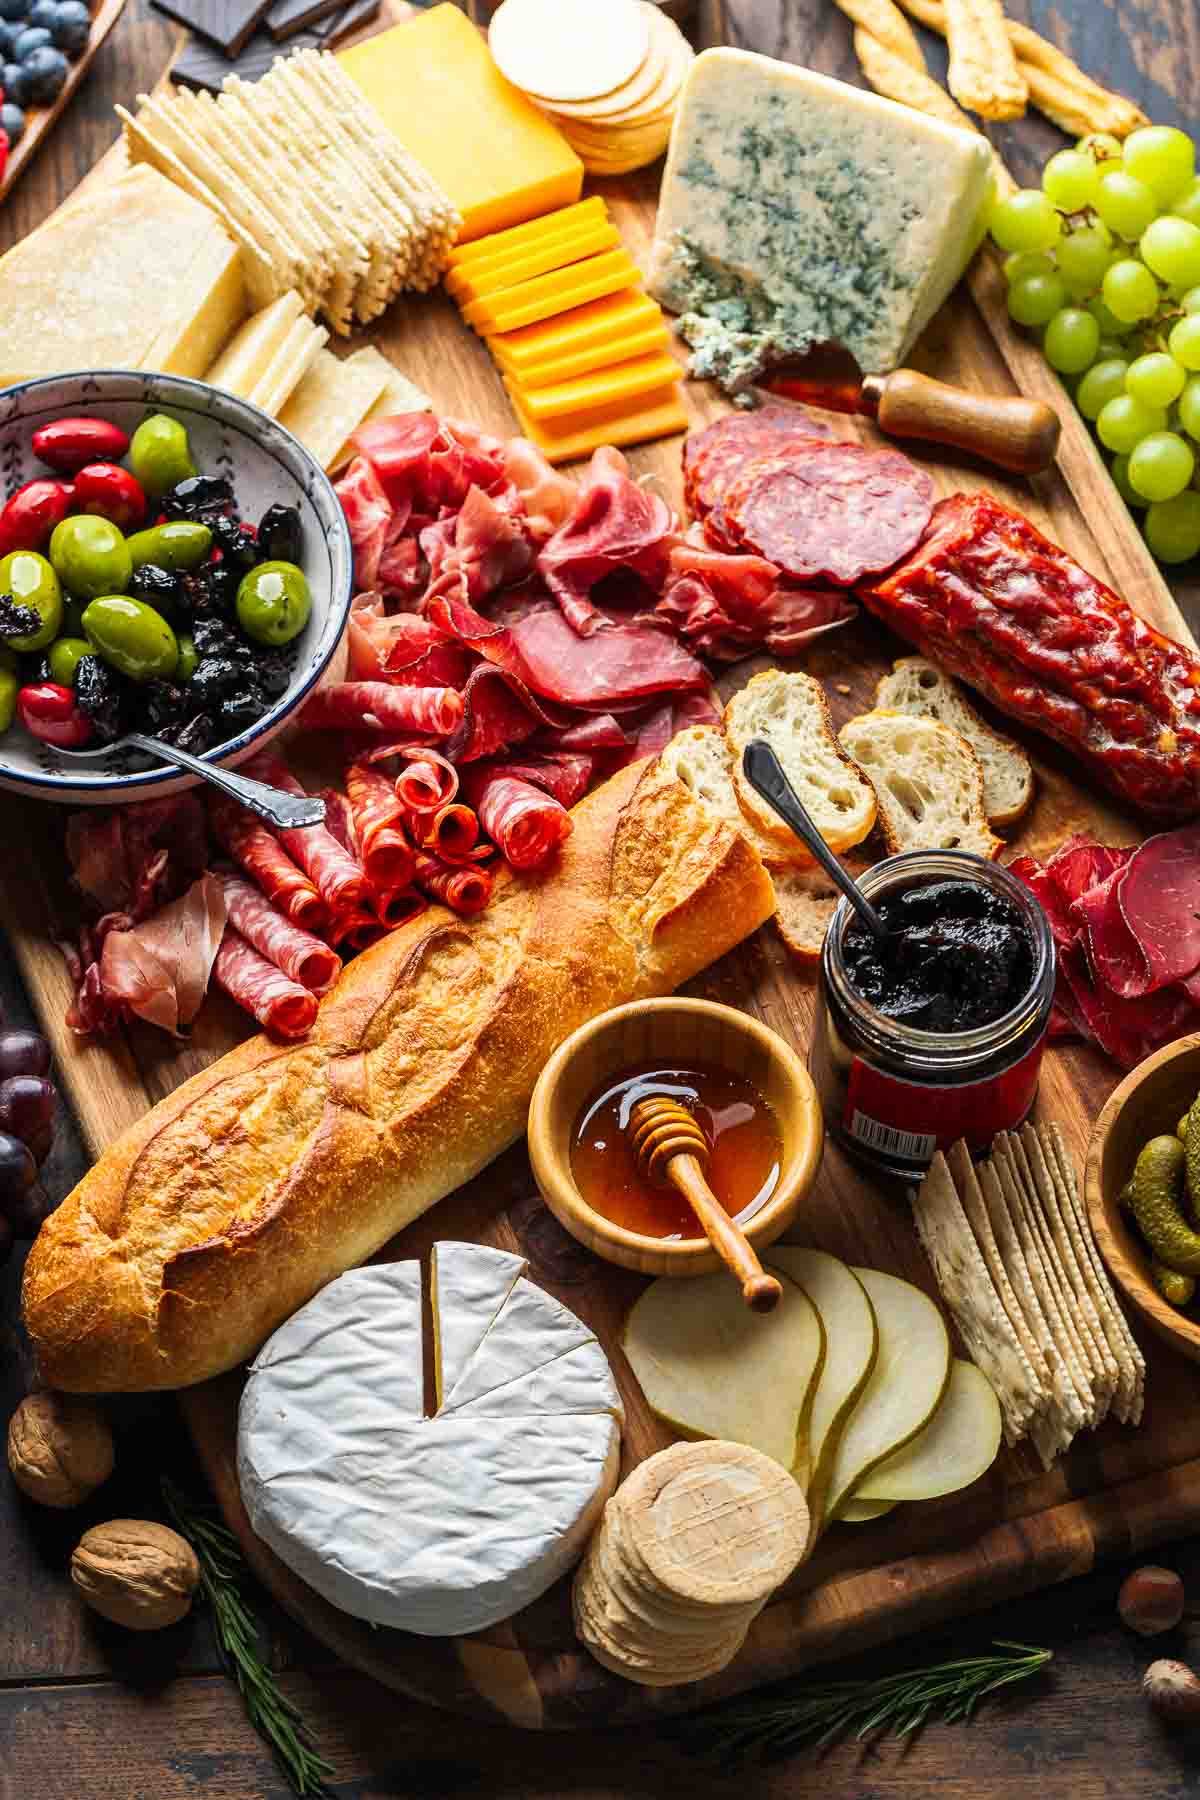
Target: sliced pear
{"x": 959, "y": 1443}
{"x": 912, "y": 1367}
{"x": 713, "y": 1369}
{"x": 861, "y": 1512}
{"x": 851, "y": 1340}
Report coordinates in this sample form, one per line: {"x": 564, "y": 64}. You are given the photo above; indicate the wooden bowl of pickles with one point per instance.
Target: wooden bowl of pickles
{"x": 1144, "y": 1210}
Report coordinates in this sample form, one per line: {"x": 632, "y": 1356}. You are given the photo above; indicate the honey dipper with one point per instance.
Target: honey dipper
{"x": 670, "y": 1147}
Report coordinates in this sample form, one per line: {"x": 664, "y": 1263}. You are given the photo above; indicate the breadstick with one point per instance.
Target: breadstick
{"x": 896, "y": 80}
{"x": 883, "y": 21}
{"x": 983, "y": 74}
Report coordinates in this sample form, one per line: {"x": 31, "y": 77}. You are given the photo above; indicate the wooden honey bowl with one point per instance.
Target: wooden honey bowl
{"x": 683, "y": 1033}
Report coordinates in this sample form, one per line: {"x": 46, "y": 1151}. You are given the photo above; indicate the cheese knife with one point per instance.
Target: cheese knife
{"x": 1013, "y": 433}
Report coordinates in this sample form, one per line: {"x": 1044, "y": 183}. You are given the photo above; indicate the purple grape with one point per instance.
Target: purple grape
{"x": 18, "y": 1171}
{"x": 25, "y": 1215}
{"x": 26, "y": 1105}
{"x": 7, "y": 1239}
{"x": 39, "y": 1143}
{"x": 23, "y": 1053}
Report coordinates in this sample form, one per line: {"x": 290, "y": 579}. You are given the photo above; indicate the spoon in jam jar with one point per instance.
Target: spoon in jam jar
{"x": 764, "y": 771}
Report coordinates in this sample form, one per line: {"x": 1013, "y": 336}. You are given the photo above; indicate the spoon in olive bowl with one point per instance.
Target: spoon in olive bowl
{"x": 764, "y": 771}
{"x": 272, "y": 804}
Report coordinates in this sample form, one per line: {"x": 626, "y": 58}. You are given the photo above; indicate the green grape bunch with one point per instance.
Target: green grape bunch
{"x": 1103, "y": 262}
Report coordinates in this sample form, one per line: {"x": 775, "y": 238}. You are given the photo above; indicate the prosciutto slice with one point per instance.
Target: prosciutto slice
{"x": 401, "y": 647}
{"x": 281, "y": 1006}
{"x": 547, "y": 495}
{"x": 614, "y": 526}
{"x": 424, "y": 463}
{"x": 159, "y": 970}
{"x": 337, "y": 876}
{"x": 383, "y": 706}
{"x": 484, "y": 546}
{"x": 464, "y": 890}
{"x": 527, "y": 825}
{"x": 133, "y": 858}
{"x": 256, "y": 850}
{"x": 383, "y": 849}
{"x": 429, "y": 781}
{"x": 370, "y": 517}
{"x": 727, "y": 606}
{"x": 297, "y": 953}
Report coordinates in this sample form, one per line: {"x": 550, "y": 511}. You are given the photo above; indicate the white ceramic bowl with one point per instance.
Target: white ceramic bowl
{"x": 265, "y": 464}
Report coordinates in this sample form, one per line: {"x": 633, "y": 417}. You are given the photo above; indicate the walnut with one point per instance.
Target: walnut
{"x": 136, "y": 1573}
{"x": 60, "y": 1448}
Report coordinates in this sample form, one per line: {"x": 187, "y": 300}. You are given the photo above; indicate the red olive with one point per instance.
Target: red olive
{"x": 49, "y": 713}
{"x": 32, "y": 514}
{"x": 111, "y": 492}
{"x": 70, "y": 444}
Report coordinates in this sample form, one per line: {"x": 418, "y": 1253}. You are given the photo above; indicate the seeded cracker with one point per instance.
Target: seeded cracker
{"x": 967, "y": 1289}
{"x": 1062, "y": 1225}
{"x": 1121, "y": 1339}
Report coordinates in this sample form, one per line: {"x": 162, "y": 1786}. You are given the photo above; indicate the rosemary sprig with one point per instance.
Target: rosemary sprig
{"x": 819, "y": 1714}
{"x": 222, "y": 1572}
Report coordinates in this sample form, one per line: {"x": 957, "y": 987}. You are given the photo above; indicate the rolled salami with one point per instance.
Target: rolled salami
{"x": 256, "y": 850}
{"x": 384, "y": 851}
{"x": 282, "y": 1007}
{"x": 429, "y": 781}
{"x": 527, "y": 824}
{"x": 335, "y": 873}
{"x": 464, "y": 890}
{"x": 382, "y": 706}
{"x": 297, "y": 953}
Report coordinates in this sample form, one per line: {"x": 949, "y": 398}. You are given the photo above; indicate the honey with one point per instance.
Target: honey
{"x": 745, "y": 1148}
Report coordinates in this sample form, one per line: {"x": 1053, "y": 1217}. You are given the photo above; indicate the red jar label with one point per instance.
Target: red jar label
{"x": 910, "y": 1120}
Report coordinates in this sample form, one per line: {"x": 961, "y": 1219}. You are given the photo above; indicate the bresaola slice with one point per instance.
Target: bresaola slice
{"x": 1158, "y": 897}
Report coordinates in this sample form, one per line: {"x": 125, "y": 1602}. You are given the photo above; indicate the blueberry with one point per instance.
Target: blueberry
{"x": 43, "y": 13}
{"x": 72, "y": 27}
{"x": 9, "y": 33}
{"x": 12, "y": 119}
{"x": 48, "y": 70}
{"x": 14, "y": 79}
{"x": 13, "y": 9}
{"x": 34, "y": 37}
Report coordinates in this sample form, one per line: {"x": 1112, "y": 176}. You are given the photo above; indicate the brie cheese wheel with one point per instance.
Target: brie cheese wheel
{"x": 438, "y": 1525}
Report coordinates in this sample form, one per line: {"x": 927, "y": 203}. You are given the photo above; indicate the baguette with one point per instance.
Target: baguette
{"x": 919, "y": 688}
{"x": 238, "y": 1196}
{"x": 790, "y": 711}
{"x": 929, "y": 782}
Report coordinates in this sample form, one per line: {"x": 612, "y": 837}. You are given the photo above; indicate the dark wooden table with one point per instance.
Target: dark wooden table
{"x": 88, "y": 1712}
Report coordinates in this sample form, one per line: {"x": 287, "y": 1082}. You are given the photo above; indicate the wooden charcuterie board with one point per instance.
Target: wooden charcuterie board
{"x": 1018, "y": 1529}
{"x": 41, "y": 119}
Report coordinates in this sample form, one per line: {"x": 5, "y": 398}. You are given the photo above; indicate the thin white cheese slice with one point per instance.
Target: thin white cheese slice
{"x": 245, "y": 359}
{"x": 471, "y": 1282}
{"x": 796, "y": 210}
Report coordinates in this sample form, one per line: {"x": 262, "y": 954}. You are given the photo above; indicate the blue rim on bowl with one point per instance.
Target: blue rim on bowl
{"x": 222, "y": 417}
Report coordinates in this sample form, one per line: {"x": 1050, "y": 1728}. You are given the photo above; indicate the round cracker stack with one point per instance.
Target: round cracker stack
{"x": 609, "y": 75}
{"x": 688, "y": 1552}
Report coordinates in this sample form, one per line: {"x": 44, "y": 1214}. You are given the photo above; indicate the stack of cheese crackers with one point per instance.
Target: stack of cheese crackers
{"x": 690, "y": 1548}
{"x": 320, "y": 196}
{"x": 608, "y": 76}
{"x": 1012, "y": 1248}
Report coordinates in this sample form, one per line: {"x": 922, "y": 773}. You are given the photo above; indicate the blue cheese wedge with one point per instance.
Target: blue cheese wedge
{"x": 797, "y": 211}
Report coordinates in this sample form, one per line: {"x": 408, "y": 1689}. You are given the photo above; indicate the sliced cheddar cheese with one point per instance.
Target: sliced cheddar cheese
{"x": 627, "y": 381}
{"x": 592, "y": 356}
{"x": 578, "y": 434}
{"x": 583, "y": 327}
{"x": 503, "y": 243}
{"x": 495, "y": 277}
{"x": 434, "y": 83}
{"x": 557, "y": 292}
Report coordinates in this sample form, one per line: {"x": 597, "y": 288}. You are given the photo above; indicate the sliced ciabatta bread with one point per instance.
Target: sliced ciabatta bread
{"x": 805, "y": 900}
{"x": 701, "y": 758}
{"x": 791, "y": 712}
{"x": 921, "y": 689}
{"x": 929, "y": 782}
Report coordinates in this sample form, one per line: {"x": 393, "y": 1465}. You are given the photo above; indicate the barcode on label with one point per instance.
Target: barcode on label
{"x": 914, "y": 1146}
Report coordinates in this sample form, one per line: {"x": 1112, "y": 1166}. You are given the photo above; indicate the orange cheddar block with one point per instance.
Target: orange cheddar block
{"x": 503, "y": 243}
{"x": 578, "y": 434}
{"x": 592, "y": 356}
{"x": 557, "y": 292}
{"x": 625, "y": 381}
{"x": 499, "y": 159}
{"x": 467, "y": 284}
{"x": 583, "y": 327}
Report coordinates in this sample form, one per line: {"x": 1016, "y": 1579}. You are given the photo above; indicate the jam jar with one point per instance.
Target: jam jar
{"x": 977, "y": 948}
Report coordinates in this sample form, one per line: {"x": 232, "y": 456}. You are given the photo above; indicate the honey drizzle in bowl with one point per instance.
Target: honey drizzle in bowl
{"x": 740, "y": 1126}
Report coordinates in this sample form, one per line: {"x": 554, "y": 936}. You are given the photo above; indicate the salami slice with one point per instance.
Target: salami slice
{"x": 527, "y": 825}
{"x": 380, "y": 706}
{"x": 464, "y": 890}
{"x": 339, "y": 819}
{"x": 398, "y": 907}
{"x": 358, "y": 930}
{"x": 450, "y": 833}
{"x": 297, "y": 953}
{"x": 724, "y": 448}
{"x": 832, "y": 512}
{"x": 384, "y": 851}
{"x": 429, "y": 781}
{"x": 335, "y": 873}
{"x": 282, "y": 1007}
{"x": 563, "y": 773}
{"x": 256, "y": 850}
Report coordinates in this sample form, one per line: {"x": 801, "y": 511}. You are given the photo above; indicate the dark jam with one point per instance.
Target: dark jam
{"x": 743, "y": 1138}
{"x": 962, "y": 957}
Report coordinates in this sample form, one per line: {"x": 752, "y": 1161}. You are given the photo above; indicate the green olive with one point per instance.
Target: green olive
{"x": 10, "y": 681}
{"x": 273, "y": 603}
{"x": 31, "y": 581}
{"x": 159, "y": 454}
{"x": 179, "y": 544}
{"x": 131, "y": 637}
{"x": 91, "y": 556}
{"x": 63, "y": 657}
{"x": 189, "y": 656}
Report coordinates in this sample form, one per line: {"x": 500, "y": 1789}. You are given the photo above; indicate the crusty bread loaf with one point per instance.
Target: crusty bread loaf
{"x": 279, "y": 1167}
{"x": 703, "y": 761}
{"x": 922, "y": 689}
{"x": 791, "y": 712}
{"x": 929, "y": 782}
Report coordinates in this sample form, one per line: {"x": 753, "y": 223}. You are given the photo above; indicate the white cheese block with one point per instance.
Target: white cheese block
{"x": 796, "y": 210}
{"x": 439, "y": 1525}
{"x": 245, "y": 359}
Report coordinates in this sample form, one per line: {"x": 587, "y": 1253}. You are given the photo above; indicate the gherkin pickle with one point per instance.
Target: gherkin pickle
{"x": 274, "y": 603}
{"x": 131, "y": 637}
{"x": 32, "y": 583}
{"x": 1157, "y": 1191}
{"x": 179, "y": 544}
{"x": 1173, "y": 1286}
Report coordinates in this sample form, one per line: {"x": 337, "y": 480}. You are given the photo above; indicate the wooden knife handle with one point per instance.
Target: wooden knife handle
{"x": 760, "y": 1291}
{"x": 1014, "y": 433}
